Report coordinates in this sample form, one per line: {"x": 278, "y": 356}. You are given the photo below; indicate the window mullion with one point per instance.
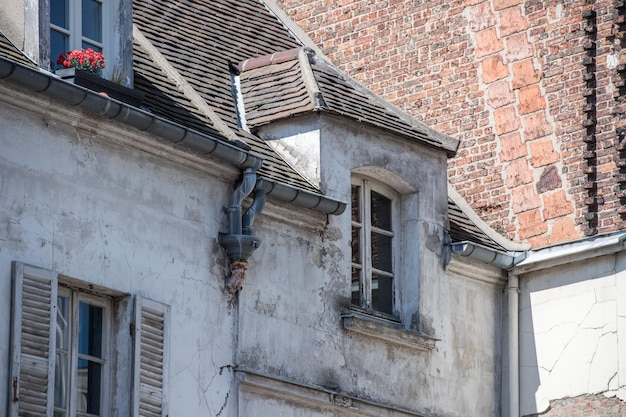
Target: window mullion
{"x": 366, "y": 246}
{"x": 75, "y": 26}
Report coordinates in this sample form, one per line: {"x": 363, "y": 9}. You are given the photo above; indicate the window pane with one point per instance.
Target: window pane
{"x": 92, "y": 20}
{"x": 61, "y": 381}
{"x": 382, "y": 294}
{"x": 90, "y": 330}
{"x": 59, "y": 13}
{"x": 59, "y": 43}
{"x": 356, "y": 203}
{"x": 381, "y": 252}
{"x": 356, "y": 286}
{"x": 356, "y": 245}
{"x": 381, "y": 211}
{"x": 62, "y": 323}
{"x": 88, "y": 387}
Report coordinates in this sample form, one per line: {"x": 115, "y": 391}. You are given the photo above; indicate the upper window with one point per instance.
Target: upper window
{"x": 373, "y": 207}
{"x": 75, "y": 24}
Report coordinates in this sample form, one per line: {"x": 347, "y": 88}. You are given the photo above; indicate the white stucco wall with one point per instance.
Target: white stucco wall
{"x": 101, "y": 203}
{"x": 572, "y": 331}
{"x": 296, "y": 312}
{"x": 90, "y": 209}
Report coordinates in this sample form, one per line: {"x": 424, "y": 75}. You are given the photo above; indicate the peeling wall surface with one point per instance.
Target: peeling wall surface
{"x": 80, "y": 198}
{"x": 573, "y": 333}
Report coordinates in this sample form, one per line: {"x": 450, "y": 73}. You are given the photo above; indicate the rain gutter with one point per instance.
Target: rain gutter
{"x": 489, "y": 256}
{"x": 49, "y": 85}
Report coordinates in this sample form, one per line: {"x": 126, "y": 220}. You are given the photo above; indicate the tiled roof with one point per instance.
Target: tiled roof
{"x": 463, "y": 229}
{"x": 8, "y": 50}
{"x": 177, "y": 29}
{"x": 284, "y": 85}
{"x": 201, "y": 39}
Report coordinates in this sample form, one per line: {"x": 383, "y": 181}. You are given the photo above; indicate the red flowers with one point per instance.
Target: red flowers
{"x": 85, "y": 59}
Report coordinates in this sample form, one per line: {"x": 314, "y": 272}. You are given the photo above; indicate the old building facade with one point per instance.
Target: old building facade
{"x": 237, "y": 228}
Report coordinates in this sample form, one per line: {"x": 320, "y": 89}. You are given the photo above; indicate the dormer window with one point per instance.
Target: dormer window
{"x": 76, "y": 24}
{"x": 373, "y": 246}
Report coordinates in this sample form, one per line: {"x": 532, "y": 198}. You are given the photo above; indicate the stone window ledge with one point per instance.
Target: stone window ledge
{"x": 387, "y": 330}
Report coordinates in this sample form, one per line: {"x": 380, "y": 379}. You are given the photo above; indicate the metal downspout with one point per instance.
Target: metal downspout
{"x": 513, "y": 315}
{"x": 239, "y": 246}
{"x": 255, "y": 209}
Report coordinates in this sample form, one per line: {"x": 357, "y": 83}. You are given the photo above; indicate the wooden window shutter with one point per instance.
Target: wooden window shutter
{"x": 151, "y": 351}
{"x": 33, "y": 338}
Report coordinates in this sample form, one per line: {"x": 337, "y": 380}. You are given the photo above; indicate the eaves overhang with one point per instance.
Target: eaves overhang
{"x": 49, "y": 85}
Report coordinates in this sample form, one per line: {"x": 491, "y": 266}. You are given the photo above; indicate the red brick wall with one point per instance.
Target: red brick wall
{"x": 586, "y": 406}
{"x": 509, "y": 79}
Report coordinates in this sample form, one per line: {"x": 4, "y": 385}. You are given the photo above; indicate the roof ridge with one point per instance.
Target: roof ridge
{"x": 310, "y": 82}
{"x": 185, "y": 87}
{"x": 275, "y": 58}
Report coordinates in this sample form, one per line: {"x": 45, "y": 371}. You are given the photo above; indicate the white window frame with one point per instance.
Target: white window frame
{"x": 75, "y": 296}
{"x": 367, "y": 185}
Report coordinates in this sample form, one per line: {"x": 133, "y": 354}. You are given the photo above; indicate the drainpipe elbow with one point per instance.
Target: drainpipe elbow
{"x": 255, "y": 209}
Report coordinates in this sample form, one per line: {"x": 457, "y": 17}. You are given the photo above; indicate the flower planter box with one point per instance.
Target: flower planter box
{"x": 100, "y": 85}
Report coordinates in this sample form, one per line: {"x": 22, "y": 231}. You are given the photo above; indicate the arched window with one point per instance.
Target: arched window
{"x": 373, "y": 232}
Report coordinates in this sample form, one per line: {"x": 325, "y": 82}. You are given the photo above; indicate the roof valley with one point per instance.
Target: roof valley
{"x": 184, "y": 86}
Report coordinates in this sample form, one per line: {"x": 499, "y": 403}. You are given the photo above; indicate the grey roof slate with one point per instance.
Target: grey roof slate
{"x": 276, "y": 86}
{"x": 463, "y": 229}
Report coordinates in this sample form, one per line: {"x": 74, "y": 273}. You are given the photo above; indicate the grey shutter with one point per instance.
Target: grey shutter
{"x": 151, "y": 346}
{"x": 34, "y": 300}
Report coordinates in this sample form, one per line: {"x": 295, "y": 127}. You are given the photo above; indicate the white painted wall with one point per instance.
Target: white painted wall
{"x": 572, "y": 331}
{"x": 81, "y": 197}
{"x": 73, "y": 201}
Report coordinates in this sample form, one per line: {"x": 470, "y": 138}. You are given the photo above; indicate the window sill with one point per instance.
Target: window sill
{"x": 98, "y": 84}
{"x": 387, "y": 330}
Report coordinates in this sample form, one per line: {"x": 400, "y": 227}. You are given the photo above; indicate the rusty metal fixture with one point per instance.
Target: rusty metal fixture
{"x": 237, "y": 277}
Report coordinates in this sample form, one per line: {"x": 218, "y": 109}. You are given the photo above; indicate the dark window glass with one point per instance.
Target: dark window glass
{"x": 356, "y": 245}
{"x": 381, "y": 252}
{"x": 59, "y": 13}
{"x": 92, "y": 20}
{"x": 382, "y": 294}
{"x": 356, "y": 203}
{"x": 89, "y": 387}
{"x": 59, "y": 43}
{"x": 381, "y": 211}
{"x": 90, "y": 330}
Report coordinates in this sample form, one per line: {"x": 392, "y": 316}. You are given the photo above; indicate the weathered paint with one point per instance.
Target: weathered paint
{"x": 118, "y": 209}
{"x": 572, "y": 328}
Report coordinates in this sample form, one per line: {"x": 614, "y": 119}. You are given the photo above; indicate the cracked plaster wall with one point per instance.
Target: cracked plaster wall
{"x": 290, "y": 310}
{"x": 573, "y": 332}
{"x": 77, "y": 203}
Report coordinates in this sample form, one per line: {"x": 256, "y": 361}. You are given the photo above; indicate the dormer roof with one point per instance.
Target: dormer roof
{"x": 297, "y": 81}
